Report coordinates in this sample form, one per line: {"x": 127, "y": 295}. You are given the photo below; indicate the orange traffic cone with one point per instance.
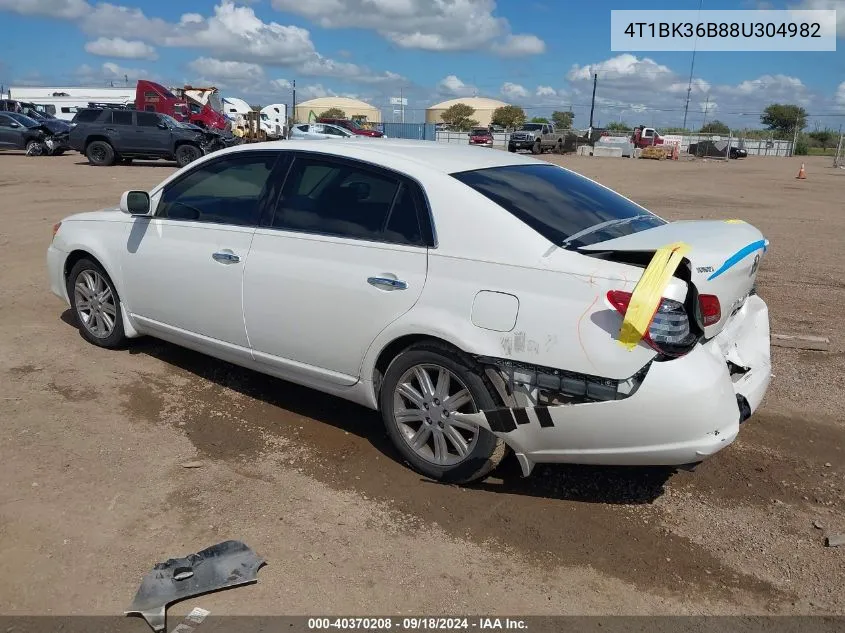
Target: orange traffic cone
{"x": 802, "y": 175}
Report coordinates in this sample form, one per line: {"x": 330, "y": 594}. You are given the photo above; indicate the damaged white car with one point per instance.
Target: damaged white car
{"x": 478, "y": 300}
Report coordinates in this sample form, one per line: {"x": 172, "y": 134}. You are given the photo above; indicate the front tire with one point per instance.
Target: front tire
{"x": 186, "y": 154}
{"x": 34, "y": 148}
{"x": 536, "y": 148}
{"x": 422, "y": 389}
{"x": 100, "y": 154}
{"x": 95, "y": 304}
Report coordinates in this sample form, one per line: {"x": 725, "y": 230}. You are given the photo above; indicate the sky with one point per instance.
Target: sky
{"x": 539, "y": 54}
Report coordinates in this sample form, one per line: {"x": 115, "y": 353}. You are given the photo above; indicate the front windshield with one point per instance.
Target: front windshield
{"x": 23, "y": 119}
{"x": 566, "y": 208}
{"x": 170, "y": 121}
{"x": 531, "y": 126}
{"x": 479, "y": 131}
{"x": 215, "y": 102}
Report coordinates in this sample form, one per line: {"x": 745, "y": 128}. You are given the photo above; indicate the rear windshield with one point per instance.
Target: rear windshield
{"x": 564, "y": 207}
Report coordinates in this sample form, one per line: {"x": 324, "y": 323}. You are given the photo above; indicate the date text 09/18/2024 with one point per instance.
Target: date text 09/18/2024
{"x": 418, "y": 624}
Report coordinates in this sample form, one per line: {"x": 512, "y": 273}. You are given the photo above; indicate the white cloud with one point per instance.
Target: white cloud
{"x": 119, "y": 47}
{"x": 545, "y": 91}
{"x": 62, "y": 9}
{"x": 835, "y": 5}
{"x": 432, "y": 25}
{"x": 620, "y": 67}
{"x": 513, "y": 91}
{"x": 110, "y": 71}
{"x": 219, "y": 70}
{"x": 452, "y": 86}
{"x": 519, "y": 45}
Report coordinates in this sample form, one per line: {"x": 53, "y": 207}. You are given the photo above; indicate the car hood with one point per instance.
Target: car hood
{"x": 724, "y": 257}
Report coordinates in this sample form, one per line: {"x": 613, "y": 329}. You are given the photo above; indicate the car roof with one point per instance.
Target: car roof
{"x": 404, "y": 154}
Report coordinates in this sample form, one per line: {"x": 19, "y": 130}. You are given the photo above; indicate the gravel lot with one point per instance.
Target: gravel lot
{"x": 92, "y": 493}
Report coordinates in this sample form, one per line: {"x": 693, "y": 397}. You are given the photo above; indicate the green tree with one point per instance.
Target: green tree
{"x": 822, "y": 137}
{"x": 458, "y": 117}
{"x": 562, "y": 120}
{"x": 539, "y": 119}
{"x": 509, "y": 117}
{"x": 333, "y": 113}
{"x": 618, "y": 126}
{"x": 675, "y": 130}
{"x": 784, "y": 118}
{"x": 715, "y": 127}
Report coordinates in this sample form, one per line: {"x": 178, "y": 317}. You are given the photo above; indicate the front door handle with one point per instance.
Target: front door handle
{"x": 226, "y": 257}
{"x": 387, "y": 283}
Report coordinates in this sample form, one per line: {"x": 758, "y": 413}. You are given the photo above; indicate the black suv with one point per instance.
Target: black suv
{"x": 107, "y": 136}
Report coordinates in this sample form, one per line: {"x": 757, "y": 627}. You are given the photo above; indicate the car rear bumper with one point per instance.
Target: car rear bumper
{"x": 685, "y": 410}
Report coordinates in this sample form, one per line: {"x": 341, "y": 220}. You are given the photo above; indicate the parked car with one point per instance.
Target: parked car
{"x": 474, "y": 298}
{"x": 320, "y": 130}
{"x": 537, "y": 137}
{"x": 481, "y": 136}
{"x": 21, "y": 132}
{"x": 353, "y": 126}
{"x": 107, "y": 136}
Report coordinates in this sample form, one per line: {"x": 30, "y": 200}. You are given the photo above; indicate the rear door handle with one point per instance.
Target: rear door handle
{"x": 225, "y": 257}
{"x": 387, "y": 283}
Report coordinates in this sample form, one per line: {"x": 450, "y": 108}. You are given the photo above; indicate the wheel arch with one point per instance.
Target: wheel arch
{"x": 78, "y": 253}
{"x": 96, "y": 137}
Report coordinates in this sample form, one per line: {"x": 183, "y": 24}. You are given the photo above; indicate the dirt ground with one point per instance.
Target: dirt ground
{"x": 92, "y": 493}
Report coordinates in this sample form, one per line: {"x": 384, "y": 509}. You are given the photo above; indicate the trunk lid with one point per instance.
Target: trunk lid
{"x": 724, "y": 258}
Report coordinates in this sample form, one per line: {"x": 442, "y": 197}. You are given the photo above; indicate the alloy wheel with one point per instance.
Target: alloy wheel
{"x": 425, "y": 401}
{"x": 95, "y": 303}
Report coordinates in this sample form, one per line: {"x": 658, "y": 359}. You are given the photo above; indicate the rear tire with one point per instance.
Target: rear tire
{"x": 100, "y": 154}
{"x": 95, "y": 304}
{"x": 186, "y": 154}
{"x": 483, "y": 451}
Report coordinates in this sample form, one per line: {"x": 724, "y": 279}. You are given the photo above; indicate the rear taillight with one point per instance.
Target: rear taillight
{"x": 56, "y": 228}
{"x": 710, "y": 309}
{"x": 669, "y": 331}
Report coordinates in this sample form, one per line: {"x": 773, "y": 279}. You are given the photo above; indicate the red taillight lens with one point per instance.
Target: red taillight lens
{"x": 669, "y": 328}
{"x": 711, "y": 310}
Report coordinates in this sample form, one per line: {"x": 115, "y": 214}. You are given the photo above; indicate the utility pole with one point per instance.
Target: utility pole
{"x": 293, "y": 110}
{"x": 795, "y": 135}
{"x": 692, "y": 66}
{"x": 706, "y": 106}
{"x": 593, "y": 104}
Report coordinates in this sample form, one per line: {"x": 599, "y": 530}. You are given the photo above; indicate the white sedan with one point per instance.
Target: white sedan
{"x": 320, "y": 131}
{"x": 476, "y": 299}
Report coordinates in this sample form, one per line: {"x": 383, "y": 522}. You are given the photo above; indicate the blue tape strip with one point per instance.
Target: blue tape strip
{"x": 737, "y": 257}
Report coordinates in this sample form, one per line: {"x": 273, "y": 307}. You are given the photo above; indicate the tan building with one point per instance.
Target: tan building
{"x": 484, "y": 109}
{"x": 309, "y": 110}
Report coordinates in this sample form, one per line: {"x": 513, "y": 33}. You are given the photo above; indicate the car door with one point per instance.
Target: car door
{"x": 151, "y": 137}
{"x": 343, "y": 256}
{"x": 182, "y": 267}
{"x": 121, "y": 130}
{"x": 10, "y": 132}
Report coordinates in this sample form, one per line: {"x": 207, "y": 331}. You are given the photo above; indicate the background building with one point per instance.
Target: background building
{"x": 351, "y": 107}
{"x": 484, "y": 109}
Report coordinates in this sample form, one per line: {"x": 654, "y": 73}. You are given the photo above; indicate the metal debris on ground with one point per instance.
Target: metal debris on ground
{"x": 834, "y": 540}
{"x": 814, "y": 343}
{"x": 222, "y": 566}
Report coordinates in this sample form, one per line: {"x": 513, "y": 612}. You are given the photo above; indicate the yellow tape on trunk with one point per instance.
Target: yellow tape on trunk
{"x": 649, "y": 291}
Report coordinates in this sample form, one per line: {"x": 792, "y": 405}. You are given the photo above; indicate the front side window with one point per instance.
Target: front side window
{"x": 225, "y": 191}
{"x": 564, "y": 207}
{"x": 348, "y": 199}
{"x": 148, "y": 119}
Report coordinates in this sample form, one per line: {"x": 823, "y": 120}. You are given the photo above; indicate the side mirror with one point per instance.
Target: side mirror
{"x": 14, "y": 124}
{"x": 135, "y": 202}
{"x": 162, "y": 126}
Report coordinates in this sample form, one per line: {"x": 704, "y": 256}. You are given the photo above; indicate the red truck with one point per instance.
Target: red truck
{"x": 188, "y": 104}
{"x": 645, "y": 137}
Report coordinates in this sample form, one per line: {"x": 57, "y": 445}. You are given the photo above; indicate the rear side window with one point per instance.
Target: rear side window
{"x": 346, "y": 199}
{"x": 147, "y": 119}
{"x": 566, "y": 208}
{"x": 86, "y": 116}
{"x": 121, "y": 117}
